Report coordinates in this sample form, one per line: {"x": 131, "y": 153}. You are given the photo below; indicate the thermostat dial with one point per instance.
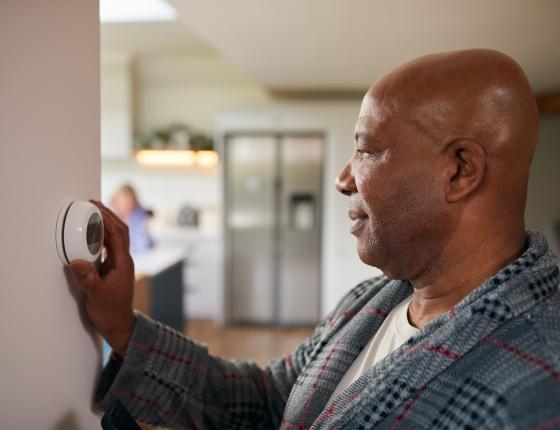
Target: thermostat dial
{"x": 79, "y": 232}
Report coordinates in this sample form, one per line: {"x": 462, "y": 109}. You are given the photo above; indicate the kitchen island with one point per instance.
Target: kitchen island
{"x": 158, "y": 289}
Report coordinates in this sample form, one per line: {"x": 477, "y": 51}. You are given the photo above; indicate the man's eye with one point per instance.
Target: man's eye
{"x": 368, "y": 154}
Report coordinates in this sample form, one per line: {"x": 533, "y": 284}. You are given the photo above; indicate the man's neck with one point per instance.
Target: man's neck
{"x": 448, "y": 279}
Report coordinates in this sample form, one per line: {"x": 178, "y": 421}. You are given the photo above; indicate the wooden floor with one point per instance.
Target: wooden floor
{"x": 257, "y": 343}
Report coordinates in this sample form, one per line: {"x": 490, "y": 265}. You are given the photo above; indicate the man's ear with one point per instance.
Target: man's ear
{"x": 466, "y": 167}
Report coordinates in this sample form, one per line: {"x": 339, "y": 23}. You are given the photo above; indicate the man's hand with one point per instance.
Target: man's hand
{"x": 109, "y": 293}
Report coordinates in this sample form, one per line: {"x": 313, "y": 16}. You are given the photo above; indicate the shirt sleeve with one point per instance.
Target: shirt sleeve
{"x": 166, "y": 379}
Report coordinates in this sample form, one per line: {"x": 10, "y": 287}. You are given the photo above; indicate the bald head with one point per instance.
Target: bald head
{"x": 478, "y": 94}
{"x": 442, "y": 154}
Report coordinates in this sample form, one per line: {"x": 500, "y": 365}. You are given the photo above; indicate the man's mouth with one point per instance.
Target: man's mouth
{"x": 358, "y": 218}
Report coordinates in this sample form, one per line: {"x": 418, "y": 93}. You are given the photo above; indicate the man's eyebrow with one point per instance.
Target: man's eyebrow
{"x": 364, "y": 135}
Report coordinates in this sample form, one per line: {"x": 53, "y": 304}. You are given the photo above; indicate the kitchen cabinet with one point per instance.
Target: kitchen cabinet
{"x": 203, "y": 279}
{"x": 203, "y": 270}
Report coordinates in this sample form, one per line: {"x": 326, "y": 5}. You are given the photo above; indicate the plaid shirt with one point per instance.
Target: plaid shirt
{"x": 490, "y": 362}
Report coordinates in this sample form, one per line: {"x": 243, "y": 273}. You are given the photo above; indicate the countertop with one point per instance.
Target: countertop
{"x": 157, "y": 259}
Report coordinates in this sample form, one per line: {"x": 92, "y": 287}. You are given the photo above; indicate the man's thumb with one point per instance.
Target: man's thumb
{"x": 85, "y": 273}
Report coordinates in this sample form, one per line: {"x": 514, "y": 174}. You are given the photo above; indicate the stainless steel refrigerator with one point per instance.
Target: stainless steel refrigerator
{"x": 273, "y": 212}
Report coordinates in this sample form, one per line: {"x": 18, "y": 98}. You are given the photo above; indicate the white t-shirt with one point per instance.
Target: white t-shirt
{"x": 395, "y": 330}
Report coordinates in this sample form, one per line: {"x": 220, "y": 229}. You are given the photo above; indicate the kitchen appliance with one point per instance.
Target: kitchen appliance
{"x": 273, "y": 214}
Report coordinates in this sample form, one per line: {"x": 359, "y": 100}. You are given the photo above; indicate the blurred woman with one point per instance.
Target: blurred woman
{"x": 126, "y": 205}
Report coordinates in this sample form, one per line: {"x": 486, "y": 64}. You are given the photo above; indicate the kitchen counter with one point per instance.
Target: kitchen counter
{"x": 157, "y": 259}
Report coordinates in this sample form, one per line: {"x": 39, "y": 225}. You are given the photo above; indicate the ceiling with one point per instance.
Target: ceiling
{"x": 146, "y": 38}
{"x": 345, "y": 45}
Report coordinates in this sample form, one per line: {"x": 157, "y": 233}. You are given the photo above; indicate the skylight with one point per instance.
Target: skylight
{"x": 136, "y": 10}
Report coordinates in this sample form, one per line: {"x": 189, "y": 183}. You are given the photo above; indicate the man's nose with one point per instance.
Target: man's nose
{"x": 345, "y": 182}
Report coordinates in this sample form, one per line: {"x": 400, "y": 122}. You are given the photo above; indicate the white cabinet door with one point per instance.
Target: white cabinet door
{"x": 49, "y": 151}
{"x": 203, "y": 280}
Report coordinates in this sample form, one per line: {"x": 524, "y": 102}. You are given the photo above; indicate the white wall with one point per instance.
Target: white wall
{"x": 49, "y": 150}
{"x": 191, "y": 89}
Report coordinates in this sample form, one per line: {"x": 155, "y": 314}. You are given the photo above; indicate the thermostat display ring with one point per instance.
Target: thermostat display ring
{"x": 79, "y": 232}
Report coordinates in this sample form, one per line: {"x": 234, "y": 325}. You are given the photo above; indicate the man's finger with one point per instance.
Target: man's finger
{"x": 87, "y": 276}
{"x": 119, "y": 227}
{"x": 114, "y": 233}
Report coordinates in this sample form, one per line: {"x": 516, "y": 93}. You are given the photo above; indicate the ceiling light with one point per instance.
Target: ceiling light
{"x": 136, "y": 10}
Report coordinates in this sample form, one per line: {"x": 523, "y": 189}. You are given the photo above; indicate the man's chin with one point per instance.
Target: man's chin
{"x": 375, "y": 260}
{"x": 368, "y": 256}
{"x": 372, "y": 256}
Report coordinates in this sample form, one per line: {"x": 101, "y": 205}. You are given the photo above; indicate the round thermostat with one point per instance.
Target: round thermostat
{"x": 79, "y": 232}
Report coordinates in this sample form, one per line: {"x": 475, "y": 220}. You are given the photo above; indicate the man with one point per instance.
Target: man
{"x": 461, "y": 332}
